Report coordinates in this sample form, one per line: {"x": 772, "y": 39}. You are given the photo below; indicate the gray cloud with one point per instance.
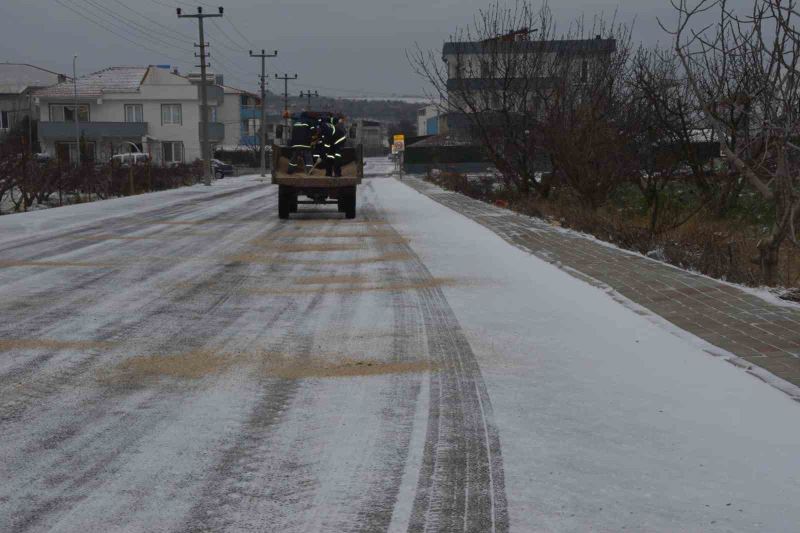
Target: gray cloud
{"x": 348, "y": 45}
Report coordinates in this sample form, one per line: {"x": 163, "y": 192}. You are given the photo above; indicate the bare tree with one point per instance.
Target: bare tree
{"x": 492, "y": 85}
{"x": 743, "y": 70}
{"x": 590, "y": 129}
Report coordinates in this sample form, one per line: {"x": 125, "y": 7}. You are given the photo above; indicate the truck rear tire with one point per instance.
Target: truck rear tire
{"x": 284, "y": 201}
{"x": 347, "y": 202}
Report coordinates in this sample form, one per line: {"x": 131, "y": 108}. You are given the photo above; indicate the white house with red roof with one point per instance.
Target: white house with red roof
{"x": 125, "y": 109}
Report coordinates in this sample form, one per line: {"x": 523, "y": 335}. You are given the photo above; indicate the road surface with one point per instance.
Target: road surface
{"x": 184, "y": 361}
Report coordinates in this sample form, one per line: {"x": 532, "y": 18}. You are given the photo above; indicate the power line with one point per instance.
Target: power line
{"x": 246, "y": 40}
{"x": 189, "y": 38}
{"x": 131, "y": 25}
{"x": 106, "y": 28}
{"x": 237, "y": 45}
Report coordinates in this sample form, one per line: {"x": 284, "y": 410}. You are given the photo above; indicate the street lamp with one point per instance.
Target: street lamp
{"x": 77, "y": 120}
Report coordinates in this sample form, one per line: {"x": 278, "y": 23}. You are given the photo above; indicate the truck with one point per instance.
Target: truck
{"x": 310, "y": 185}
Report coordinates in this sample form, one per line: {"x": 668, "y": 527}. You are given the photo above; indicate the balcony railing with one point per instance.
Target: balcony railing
{"x": 93, "y": 130}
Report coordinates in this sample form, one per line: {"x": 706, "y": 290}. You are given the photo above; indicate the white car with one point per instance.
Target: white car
{"x": 131, "y": 158}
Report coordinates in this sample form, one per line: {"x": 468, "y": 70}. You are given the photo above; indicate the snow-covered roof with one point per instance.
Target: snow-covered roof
{"x": 233, "y": 90}
{"x": 108, "y": 80}
{"x": 17, "y": 77}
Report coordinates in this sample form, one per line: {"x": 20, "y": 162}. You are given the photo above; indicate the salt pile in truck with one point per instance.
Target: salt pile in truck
{"x": 319, "y": 164}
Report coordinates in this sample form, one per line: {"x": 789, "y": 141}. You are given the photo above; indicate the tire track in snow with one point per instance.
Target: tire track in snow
{"x": 461, "y": 486}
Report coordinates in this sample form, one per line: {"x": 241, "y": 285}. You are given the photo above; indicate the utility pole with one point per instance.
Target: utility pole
{"x": 76, "y": 114}
{"x": 263, "y": 55}
{"x": 285, "y": 79}
{"x": 309, "y": 94}
{"x": 204, "y": 147}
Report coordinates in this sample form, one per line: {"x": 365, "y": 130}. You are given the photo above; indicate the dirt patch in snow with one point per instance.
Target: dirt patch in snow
{"x": 311, "y": 222}
{"x": 318, "y": 368}
{"x": 386, "y": 287}
{"x": 194, "y": 364}
{"x": 325, "y": 280}
{"x": 49, "y": 264}
{"x": 7, "y": 345}
{"x": 266, "y": 259}
{"x": 117, "y": 237}
{"x": 198, "y": 364}
{"x": 339, "y": 235}
{"x": 311, "y": 247}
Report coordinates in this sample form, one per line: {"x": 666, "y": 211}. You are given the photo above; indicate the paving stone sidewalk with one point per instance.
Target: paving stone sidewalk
{"x": 761, "y": 333}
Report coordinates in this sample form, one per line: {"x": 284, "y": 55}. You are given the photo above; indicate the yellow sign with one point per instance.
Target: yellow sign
{"x": 399, "y": 144}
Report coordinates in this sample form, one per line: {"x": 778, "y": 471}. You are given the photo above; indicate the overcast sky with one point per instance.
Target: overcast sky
{"x": 339, "y": 47}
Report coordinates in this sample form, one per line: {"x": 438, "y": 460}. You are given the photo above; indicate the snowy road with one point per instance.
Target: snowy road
{"x": 184, "y": 361}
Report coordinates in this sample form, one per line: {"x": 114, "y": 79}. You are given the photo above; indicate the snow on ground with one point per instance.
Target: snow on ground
{"x": 16, "y": 225}
{"x": 607, "y": 421}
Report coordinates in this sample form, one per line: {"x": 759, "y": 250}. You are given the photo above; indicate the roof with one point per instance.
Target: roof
{"x": 233, "y": 90}
{"x": 15, "y": 78}
{"x": 108, "y": 80}
{"x": 575, "y": 46}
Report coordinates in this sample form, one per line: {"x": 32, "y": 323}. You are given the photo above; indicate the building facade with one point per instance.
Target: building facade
{"x": 497, "y": 74}
{"x": 127, "y": 109}
{"x": 428, "y": 120}
{"x": 18, "y": 82}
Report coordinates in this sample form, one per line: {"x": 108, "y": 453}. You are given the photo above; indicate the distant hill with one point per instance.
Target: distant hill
{"x": 382, "y": 110}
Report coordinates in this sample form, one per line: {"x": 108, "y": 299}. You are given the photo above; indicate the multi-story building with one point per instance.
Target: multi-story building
{"x": 485, "y": 73}
{"x": 124, "y": 109}
{"x": 18, "y": 81}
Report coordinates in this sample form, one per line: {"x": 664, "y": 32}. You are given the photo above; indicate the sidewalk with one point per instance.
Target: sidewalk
{"x": 762, "y": 334}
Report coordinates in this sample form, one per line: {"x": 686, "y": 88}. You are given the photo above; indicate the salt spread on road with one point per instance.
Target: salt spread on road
{"x": 405, "y": 371}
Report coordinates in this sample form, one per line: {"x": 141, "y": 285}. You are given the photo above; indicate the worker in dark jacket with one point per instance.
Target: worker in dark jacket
{"x": 333, "y": 137}
{"x": 300, "y": 143}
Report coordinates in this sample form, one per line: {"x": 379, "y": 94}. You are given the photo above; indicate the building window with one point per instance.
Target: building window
{"x": 172, "y": 152}
{"x": 253, "y": 126}
{"x": 4, "y": 120}
{"x": 171, "y": 114}
{"x": 212, "y": 114}
{"x": 66, "y": 113}
{"x": 134, "y": 113}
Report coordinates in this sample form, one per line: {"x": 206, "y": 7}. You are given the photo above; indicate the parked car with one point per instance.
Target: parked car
{"x": 221, "y": 169}
{"x": 131, "y": 158}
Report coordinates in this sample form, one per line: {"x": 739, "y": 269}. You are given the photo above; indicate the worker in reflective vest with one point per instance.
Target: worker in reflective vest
{"x": 300, "y": 143}
{"x": 334, "y": 138}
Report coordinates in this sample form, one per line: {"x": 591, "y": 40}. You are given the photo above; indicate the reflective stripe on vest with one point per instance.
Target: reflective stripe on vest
{"x": 341, "y": 140}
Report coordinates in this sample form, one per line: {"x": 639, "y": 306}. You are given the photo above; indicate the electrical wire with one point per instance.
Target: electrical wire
{"x": 187, "y": 37}
{"x": 130, "y": 25}
{"x": 237, "y": 45}
{"x": 246, "y": 40}
{"x": 105, "y": 27}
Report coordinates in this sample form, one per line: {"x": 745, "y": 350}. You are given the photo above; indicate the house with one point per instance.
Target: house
{"x": 123, "y": 109}
{"x": 18, "y": 81}
{"x": 428, "y": 120}
{"x": 243, "y": 109}
{"x": 371, "y": 135}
